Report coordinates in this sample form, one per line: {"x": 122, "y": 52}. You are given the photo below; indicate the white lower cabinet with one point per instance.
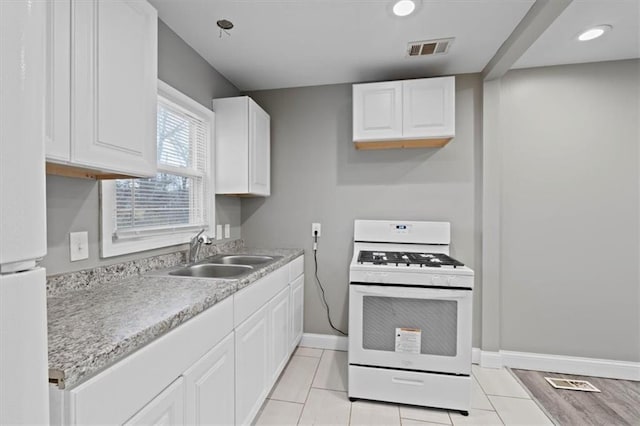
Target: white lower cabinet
{"x": 165, "y": 409}
{"x": 252, "y": 365}
{"x": 216, "y": 369}
{"x": 279, "y": 313}
{"x": 297, "y": 311}
{"x": 263, "y": 341}
{"x": 209, "y": 387}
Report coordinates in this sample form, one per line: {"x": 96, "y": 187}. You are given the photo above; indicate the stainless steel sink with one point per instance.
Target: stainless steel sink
{"x": 241, "y": 259}
{"x": 208, "y": 270}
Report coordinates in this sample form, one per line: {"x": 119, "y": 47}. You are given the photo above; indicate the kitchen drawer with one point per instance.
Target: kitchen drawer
{"x": 251, "y": 298}
{"x": 296, "y": 268}
{"x": 410, "y": 387}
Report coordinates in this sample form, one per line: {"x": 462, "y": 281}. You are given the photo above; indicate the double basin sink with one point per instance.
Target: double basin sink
{"x": 224, "y": 266}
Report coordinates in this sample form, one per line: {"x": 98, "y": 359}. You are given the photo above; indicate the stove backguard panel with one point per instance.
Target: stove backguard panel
{"x": 437, "y": 320}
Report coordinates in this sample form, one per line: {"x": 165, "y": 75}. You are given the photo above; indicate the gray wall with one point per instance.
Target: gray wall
{"x": 570, "y": 210}
{"x": 318, "y": 176}
{"x": 184, "y": 69}
{"x": 73, "y": 205}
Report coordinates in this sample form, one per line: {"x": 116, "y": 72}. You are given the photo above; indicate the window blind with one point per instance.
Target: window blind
{"x": 177, "y": 197}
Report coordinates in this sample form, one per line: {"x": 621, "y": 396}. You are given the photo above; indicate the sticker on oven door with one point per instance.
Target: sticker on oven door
{"x": 408, "y": 340}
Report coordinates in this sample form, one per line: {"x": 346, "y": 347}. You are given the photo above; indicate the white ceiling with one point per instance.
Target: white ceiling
{"x": 291, "y": 43}
{"x": 559, "y": 43}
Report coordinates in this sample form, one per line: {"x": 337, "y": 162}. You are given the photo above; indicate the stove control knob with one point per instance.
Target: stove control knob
{"x": 437, "y": 280}
{"x": 375, "y": 277}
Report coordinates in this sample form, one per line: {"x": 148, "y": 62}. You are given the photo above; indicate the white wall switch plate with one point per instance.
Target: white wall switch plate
{"x": 227, "y": 230}
{"x": 316, "y": 227}
{"x": 218, "y": 232}
{"x": 78, "y": 246}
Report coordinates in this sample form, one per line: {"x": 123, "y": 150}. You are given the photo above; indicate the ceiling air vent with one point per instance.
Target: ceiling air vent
{"x": 429, "y": 47}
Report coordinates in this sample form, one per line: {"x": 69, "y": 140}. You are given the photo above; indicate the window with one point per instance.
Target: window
{"x": 141, "y": 214}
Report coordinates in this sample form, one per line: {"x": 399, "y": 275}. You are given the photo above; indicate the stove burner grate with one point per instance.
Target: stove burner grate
{"x": 433, "y": 260}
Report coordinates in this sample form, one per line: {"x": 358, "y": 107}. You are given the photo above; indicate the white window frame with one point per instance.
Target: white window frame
{"x": 165, "y": 238}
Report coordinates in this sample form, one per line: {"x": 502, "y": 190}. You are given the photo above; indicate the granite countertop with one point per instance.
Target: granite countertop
{"x": 91, "y": 329}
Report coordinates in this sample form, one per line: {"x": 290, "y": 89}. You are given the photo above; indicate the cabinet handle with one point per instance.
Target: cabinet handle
{"x": 407, "y": 381}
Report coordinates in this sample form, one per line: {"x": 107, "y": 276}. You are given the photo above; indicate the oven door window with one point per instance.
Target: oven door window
{"x": 436, "y": 322}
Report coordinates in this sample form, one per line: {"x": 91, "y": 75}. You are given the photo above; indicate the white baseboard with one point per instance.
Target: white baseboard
{"x": 491, "y": 359}
{"x": 325, "y": 341}
{"x": 608, "y": 368}
{"x": 475, "y": 355}
{"x": 572, "y": 365}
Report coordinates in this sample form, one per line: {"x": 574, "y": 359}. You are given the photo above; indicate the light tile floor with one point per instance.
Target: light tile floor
{"x": 312, "y": 391}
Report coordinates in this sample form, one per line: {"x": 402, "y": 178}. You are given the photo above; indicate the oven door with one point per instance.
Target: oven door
{"x": 412, "y": 328}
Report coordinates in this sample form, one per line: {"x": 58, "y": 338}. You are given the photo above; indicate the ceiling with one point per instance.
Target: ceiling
{"x": 291, "y": 43}
{"x": 559, "y": 44}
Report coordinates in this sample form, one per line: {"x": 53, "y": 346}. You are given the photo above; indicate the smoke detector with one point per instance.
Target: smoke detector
{"x": 225, "y": 26}
{"x": 429, "y": 47}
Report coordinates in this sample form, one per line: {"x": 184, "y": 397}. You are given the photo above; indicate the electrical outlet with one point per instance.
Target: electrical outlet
{"x": 78, "y": 246}
{"x": 227, "y": 230}
{"x": 218, "y": 232}
{"x": 316, "y": 227}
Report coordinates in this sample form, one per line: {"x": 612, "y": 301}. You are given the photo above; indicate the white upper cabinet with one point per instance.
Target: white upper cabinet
{"x": 428, "y": 106}
{"x": 243, "y": 147}
{"x": 107, "y": 95}
{"x": 58, "y": 96}
{"x": 260, "y": 150}
{"x": 403, "y": 114}
{"x": 377, "y": 111}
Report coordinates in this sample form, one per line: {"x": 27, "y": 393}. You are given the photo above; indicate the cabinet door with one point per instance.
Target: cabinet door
{"x": 209, "y": 387}
{"x": 252, "y": 365}
{"x": 280, "y": 313}
{"x": 377, "y": 111}
{"x": 429, "y": 108}
{"x": 58, "y": 96}
{"x": 165, "y": 409}
{"x": 297, "y": 311}
{"x": 114, "y": 86}
{"x": 259, "y": 150}
{"x": 232, "y": 146}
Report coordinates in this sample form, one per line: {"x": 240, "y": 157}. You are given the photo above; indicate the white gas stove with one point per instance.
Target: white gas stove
{"x": 410, "y": 306}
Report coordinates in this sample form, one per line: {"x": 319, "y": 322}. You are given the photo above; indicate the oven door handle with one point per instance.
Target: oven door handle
{"x": 422, "y": 292}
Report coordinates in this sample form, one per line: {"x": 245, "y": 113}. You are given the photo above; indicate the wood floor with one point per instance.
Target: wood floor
{"x": 618, "y": 403}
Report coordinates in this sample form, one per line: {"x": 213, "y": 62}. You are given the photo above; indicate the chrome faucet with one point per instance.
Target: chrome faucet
{"x": 195, "y": 244}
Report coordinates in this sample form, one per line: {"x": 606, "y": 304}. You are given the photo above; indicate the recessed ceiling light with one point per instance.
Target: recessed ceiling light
{"x": 404, "y": 7}
{"x": 594, "y": 32}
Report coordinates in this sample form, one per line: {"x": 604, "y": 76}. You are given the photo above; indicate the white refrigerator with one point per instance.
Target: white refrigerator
{"x": 23, "y": 312}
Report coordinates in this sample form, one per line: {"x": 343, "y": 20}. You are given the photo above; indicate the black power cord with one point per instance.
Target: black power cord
{"x": 324, "y": 299}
